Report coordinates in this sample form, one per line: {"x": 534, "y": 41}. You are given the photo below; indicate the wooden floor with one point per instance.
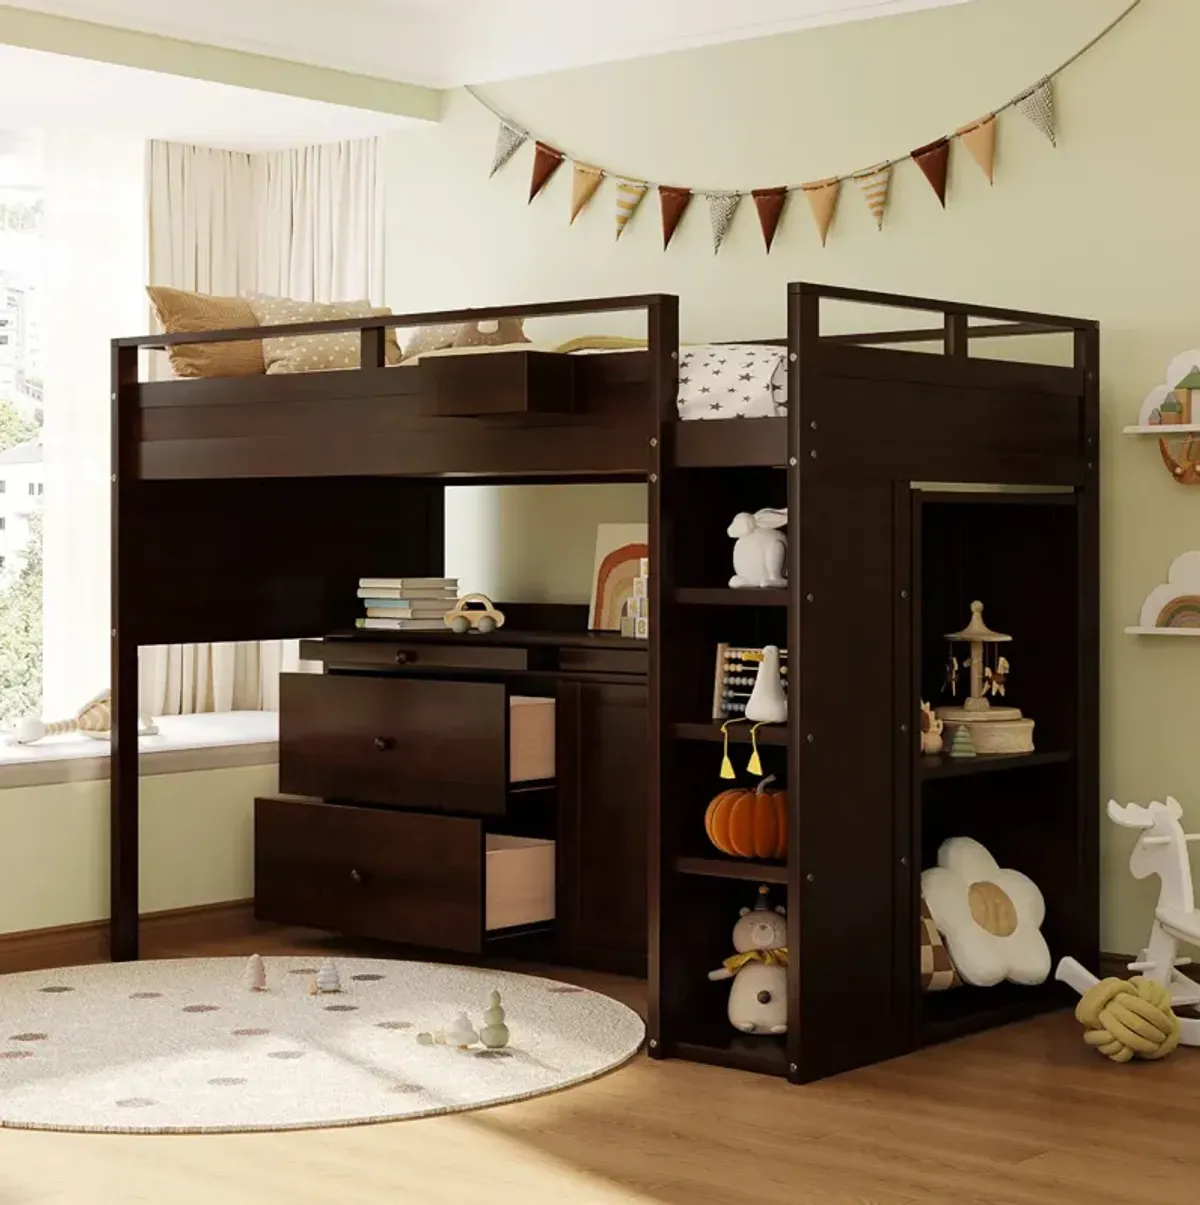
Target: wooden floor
{"x": 1024, "y": 1115}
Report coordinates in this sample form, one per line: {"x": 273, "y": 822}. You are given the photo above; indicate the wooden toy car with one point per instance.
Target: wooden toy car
{"x": 474, "y": 612}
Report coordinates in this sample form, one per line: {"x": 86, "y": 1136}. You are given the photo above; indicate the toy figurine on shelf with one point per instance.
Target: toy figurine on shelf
{"x": 931, "y": 730}
{"x": 758, "y": 996}
{"x": 991, "y": 729}
{"x": 767, "y": 704}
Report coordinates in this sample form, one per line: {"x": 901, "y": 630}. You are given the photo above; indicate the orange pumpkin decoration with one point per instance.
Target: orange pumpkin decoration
{"x": 749, "y": 824}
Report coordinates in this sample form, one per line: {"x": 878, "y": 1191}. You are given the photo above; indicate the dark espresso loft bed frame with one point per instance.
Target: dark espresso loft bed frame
{"x": 247, "y": 509}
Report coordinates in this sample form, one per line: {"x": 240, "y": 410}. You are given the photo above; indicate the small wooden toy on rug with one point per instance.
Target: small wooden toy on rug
{"x": 254, "y": 978}
{"x": 327, "y": 981}
{"x": 494, "y": 1033}
{"x": 1138, "y": 1019}
{"x": 758, "y": 996}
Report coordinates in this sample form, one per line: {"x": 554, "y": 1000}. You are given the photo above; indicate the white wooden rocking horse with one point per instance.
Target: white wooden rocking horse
{"x": 1162, "y": 850}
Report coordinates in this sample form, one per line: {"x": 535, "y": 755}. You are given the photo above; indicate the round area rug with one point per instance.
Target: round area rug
{"x": 182, "y": 1046}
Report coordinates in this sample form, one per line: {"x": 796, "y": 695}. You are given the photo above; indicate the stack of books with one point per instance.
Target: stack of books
{"x": 407, "y": 604}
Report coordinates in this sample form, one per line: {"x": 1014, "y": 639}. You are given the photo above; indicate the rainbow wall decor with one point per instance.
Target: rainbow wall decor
{"x": 1174, "y": 607}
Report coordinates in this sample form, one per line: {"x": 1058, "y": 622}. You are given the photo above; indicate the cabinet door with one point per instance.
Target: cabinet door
{"x": 603, "y": 824}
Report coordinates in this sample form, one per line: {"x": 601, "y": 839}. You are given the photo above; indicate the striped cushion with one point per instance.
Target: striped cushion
{"x": 182, "y": 313}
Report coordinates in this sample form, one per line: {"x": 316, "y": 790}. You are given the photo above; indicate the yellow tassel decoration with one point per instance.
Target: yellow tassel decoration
{"x": 726, "y": 764}
{"x": 754, "y": 765}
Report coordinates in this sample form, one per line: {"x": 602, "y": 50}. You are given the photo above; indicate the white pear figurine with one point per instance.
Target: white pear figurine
{"x": 461, "y": 1034}
{"x": 254, "y": 978}
{"x": 494, "y": 1033}
{"x": 767, "y": 703}
{"x": 328, "y": 979}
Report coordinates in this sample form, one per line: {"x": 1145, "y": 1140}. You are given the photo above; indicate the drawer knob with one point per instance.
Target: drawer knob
{"x": 356, "y": 876}
{"x": 384, "y": 743}
{"x": 405, "y": 657}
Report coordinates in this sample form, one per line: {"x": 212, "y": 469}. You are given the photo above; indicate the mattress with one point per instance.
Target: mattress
{"x": 716, "y": 380}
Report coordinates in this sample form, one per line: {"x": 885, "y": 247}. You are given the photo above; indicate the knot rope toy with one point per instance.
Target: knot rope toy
{"x": 1124, "y": 1019}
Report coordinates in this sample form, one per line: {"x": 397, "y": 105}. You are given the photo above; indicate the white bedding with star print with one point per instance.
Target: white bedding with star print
{"x": 732, "y": 380}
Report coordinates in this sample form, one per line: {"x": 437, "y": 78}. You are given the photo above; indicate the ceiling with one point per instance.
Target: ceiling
{"x": 447, "y": 43}
{"x": 70, "y": 93}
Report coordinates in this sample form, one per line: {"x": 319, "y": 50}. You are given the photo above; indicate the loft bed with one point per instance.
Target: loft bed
{"x": 323, "y": 477}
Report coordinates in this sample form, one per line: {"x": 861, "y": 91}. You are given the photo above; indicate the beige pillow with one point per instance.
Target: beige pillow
{"x": 183, "y": 313}
{"x": 464, "y": 334}
{"x": 316, "y": 353}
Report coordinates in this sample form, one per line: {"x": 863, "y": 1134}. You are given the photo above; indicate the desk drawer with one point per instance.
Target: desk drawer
{"x": 465, "y": 653}
{"x": 434, "y": 881}
{"x": 405, "y": 741}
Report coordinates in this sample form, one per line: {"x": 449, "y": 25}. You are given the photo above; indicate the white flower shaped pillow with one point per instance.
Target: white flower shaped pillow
{"x": 991, "y": 918}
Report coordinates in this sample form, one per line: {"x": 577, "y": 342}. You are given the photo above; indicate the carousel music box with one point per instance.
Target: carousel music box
{"x": 992, "y": 729}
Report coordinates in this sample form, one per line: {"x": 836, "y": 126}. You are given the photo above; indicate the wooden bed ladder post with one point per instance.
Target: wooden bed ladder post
{"x": 123, "y": 765}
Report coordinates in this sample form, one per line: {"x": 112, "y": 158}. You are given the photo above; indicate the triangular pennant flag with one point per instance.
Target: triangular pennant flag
{"x": 1038, "y": 105}
{"x": 629, "y": 197}
{"x": 980, "y": 139}
{"x": 584, "y": 182}
{"x": 721, "y": 208}
{"x": 672, "y": 202}
{"x": 769, "y": 202}
{"x": 875, "y": 183}
{"x": 934, "y": 160}
{"x": 507, "y": 142}
{"x": 546, "y": 161}
{"x": 823, "y": 198}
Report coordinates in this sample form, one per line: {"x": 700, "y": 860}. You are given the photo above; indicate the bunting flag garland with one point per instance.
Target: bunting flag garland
{"x": 769, "y": 202}
{"x": 875, "y": 184}
{"x": 980, "y": 139}
{"x": 823, "y": 198}
{"x": 1038, "y": 105}
{"x": 672, "y": 202}
{"x": 629, "y": 197}
{"x": 508, "y": 141}
{"x": 721, "y": 208}
{"x": 546, "y": 161}
{"x": 934, "y": 160}
{"x": 584, "y": 182}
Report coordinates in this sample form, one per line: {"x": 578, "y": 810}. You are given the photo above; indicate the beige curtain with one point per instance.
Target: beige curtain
{"x": 306, "y": 224}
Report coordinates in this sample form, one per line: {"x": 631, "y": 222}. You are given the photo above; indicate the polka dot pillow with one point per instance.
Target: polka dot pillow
{"x": 315, "y": 353}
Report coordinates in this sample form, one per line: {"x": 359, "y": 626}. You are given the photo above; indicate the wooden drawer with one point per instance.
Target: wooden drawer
{"x": 603, "y": 661}
{"x": 451, "y": 745}
{"x": 405, "y": 741}
{"x": 434, "y": 881}
{"x": 465, "y": 653}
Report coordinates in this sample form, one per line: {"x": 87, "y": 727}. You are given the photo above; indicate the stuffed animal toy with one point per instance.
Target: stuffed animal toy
{"x": 760, "y": 551}
{"x": 94, "y": 720}
{"x": 758, "y": 997}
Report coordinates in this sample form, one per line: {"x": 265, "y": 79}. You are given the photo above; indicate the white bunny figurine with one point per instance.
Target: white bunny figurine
{"x": 760, "y": 551}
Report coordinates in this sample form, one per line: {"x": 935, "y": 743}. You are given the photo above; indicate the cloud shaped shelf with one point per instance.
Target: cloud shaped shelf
{"x": 1173, "y": 608}
{"x": 1171, "y": 413}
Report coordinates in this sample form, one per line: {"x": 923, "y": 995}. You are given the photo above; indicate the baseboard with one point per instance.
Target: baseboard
{"x": 75, "y": 945}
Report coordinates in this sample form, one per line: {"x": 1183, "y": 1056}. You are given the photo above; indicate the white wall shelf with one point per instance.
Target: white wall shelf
{"x": 1164, "y": 430}
{"x": 1162, "y": 631}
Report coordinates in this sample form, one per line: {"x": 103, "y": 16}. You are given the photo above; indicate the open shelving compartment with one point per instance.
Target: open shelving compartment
{"x": 1019, "y": 554}
{"x": 873, "y": 568}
